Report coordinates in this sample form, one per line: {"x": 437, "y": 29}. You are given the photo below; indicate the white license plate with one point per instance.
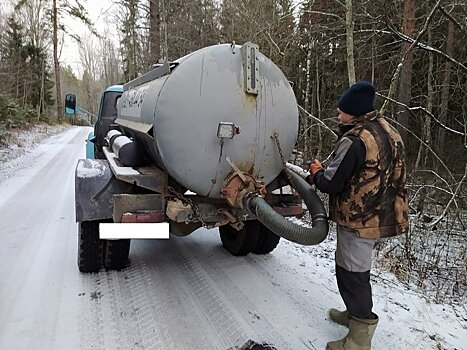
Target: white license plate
{"x": 144, "y": 230}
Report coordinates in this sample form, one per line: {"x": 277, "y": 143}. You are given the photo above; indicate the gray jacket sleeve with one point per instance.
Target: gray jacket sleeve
{"x": 346, "y": 160}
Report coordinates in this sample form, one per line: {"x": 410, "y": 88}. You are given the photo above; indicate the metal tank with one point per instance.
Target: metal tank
{"x": 212, "y": 110}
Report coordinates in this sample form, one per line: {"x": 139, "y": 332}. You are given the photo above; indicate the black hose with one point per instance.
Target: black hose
{"x": 287, "y": 229}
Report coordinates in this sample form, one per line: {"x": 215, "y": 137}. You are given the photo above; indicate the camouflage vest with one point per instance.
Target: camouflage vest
{"x": 374, "y": 201}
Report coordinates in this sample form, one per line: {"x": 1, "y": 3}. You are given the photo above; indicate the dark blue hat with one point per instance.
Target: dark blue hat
{"x": 358, "y": 100}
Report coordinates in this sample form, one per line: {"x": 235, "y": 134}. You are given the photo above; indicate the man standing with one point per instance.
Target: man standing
{"x": 368, "y": 201}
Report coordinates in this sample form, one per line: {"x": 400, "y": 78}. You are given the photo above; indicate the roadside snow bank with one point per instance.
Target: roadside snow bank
{"x": 21, "y": 145}
{"x": 26, "y": 163}
{"x": 23, "y": 141}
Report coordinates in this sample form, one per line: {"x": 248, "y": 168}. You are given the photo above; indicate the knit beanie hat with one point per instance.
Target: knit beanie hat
{"x": 358, "y": 100}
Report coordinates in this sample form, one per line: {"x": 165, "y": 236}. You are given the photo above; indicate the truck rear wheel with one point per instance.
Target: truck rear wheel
{"x": 241, "y": 242}
{"x": 116, "y": 254}
{"x": 89, "y": 247}
{"x": 267, "y": 241}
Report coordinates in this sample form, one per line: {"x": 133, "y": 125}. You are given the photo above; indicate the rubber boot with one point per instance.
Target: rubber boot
{"x": 339, "y": 317}
{"x": 359, "y": 337}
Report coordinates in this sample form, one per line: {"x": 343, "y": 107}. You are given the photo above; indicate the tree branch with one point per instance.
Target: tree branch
{"x": 325, "y": 14}
{"x": 428, "y": 147}
{"x": 423, "y": 110}
{"x": 301, "y": 109}
{"x": 451, "y": 200}
{"x": 420, "y": 45}
{"x": 429, "y": 48}
{"x": 452, "y": 19}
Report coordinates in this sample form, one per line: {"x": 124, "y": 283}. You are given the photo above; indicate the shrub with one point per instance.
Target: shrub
{"x": 4, "y": 136}
{"x": 15, "y": 116}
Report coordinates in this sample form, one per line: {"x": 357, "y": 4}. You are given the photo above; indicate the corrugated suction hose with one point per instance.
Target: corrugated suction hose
{"x": 287, "y": 229}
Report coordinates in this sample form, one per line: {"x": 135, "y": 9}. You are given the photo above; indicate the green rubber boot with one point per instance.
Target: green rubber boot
{"x": 339, "y": 317}
{"x": 359, "y": 337}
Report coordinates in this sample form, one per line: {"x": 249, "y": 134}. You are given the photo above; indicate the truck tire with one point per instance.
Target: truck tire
{"x": 89, "y": 247}
{"x": 116, "y": 254}
{"x": 241, "y": 242}
{"x": 267, "y": 241}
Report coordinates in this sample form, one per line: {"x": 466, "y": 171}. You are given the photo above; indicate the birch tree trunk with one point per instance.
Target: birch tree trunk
{"x": 318, "y": 110}
{"x": 165, "y": 43}
{"x": 306, "y": 122}
{"x": 350, "y": 46}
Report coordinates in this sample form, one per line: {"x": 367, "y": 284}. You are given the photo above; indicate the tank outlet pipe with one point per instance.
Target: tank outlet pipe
{"x": 296, "y": 169}
{"x": 287, "y": 229}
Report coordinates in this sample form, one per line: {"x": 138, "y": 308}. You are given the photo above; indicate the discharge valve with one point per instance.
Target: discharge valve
{"x": 240, "y": 186}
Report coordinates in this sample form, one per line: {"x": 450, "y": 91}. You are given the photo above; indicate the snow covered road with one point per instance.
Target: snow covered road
{"x": 184, "y": 293}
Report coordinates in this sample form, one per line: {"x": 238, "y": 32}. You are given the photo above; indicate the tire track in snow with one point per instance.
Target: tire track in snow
{"x": 91, "y": 321}
{"x": 118, "y": 315}
{"x": 303, "y": 311}
{"x": 305, "y": 303}
{"x": 186, "y": 321}
{"x": 263, "y": 329}
{"x": 141, "y": 304}
{"x": 125, "y": 329}
{"x": 225, "y": 321}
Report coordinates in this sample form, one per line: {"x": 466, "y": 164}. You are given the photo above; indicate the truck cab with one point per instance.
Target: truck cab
{"x": 105, "y": 119}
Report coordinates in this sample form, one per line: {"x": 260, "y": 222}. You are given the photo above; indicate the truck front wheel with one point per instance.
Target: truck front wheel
{"x": 89, "y": 247}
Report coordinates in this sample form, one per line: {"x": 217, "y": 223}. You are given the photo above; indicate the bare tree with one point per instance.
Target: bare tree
{"x": 405, "y": 82}
{"x": 91, "y": 82}
{"x": 154, "y": 30}
{"x": 350, "y": 45}
{"x": 109, "y": 61}
{"x": 33, "y": 15}
{"x": 445, "y": 89}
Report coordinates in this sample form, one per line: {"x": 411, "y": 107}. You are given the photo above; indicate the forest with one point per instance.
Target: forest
{"x": 414, "y": 53}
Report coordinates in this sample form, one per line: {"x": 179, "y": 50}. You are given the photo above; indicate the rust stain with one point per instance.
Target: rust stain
{"x": 247, "y": 167}
{"x": 251, "y": 100}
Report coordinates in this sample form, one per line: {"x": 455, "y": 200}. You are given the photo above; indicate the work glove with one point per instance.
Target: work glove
{"x": 315, "y": 166}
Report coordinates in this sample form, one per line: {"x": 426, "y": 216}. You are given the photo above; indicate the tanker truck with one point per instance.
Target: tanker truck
{"x": 202, "y": 141}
